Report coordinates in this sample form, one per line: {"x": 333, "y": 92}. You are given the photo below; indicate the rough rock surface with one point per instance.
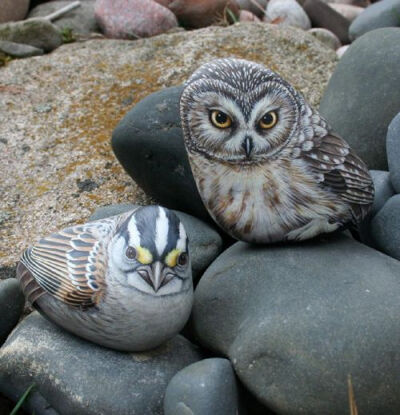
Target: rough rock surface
{"x": 204, "y": 242}
{"x": 207, "y": 387}
{"x": 297, "y": 320}
{"x": 371, "y": 60}
{"x": 11, "y": 306}
{"x": 80, "y": 20}
{"x": 58, "y": 112}
{"x": 73, "y": 376}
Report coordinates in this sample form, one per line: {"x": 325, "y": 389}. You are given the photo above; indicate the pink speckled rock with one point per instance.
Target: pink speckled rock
{"x": 246, "y": 16}
{"x": 201, "y": 13}
{"x": 133, "y": 19}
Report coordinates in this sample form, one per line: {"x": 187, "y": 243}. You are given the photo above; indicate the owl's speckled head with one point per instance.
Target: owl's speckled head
{"x": 238, "y": 111}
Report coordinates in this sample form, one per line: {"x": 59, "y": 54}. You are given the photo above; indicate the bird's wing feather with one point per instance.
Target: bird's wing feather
{"x": 337, "y": 167}
{"x": 70, "y": 265}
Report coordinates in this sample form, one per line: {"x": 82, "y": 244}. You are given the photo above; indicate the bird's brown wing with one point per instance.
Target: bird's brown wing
{"x": 70, "y": 265}
{"x": 338, "y": 168}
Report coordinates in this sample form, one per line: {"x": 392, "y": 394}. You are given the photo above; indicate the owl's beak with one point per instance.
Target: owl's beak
{"x": 248, "y": 145}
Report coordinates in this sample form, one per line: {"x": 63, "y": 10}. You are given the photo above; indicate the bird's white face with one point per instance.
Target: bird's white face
{"x": 243, "y": 116}
{"x": 150, "y": 253}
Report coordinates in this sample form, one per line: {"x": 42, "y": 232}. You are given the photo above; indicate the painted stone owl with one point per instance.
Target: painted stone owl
{"x": 267, "y": 166}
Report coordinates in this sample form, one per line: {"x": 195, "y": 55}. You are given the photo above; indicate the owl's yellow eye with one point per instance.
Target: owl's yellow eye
{"x": 220, "y": 119}
{"x": 268, "y": 120}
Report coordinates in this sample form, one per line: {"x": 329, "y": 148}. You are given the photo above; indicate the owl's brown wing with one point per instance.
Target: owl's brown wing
{"x": 338, "y": 168}
{"x": 70, "y": 265}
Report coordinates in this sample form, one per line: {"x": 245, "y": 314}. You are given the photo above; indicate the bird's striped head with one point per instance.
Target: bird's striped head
{"x": 150, "y": 248}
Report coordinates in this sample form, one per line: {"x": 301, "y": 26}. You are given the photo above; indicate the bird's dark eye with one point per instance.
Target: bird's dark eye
{"x": 130, "y": 252}
{"x": 268, "y": 120}
{"x": 183, "y": 258}
{"x": 220, "y": 119}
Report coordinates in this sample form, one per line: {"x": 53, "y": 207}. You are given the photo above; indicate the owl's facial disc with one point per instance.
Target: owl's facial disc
{"x": 241, "y": 127}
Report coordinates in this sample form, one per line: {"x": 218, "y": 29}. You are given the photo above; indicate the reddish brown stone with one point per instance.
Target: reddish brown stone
{"x": 133, "y": 19}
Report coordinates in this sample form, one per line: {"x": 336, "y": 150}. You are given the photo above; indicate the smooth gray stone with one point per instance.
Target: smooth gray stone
{"x": 18, "y": 50}
{"x": 296, "y": 320}
{"x": 73, "y": 376}
{"x": 393, "y": 151}
{"x": 80, "y": 20}
{"x": 36, "y": 32}
{"x": 203, "y": 388}
{"x": 384, "y": 13}
{"x": 362, "y": 96}
{"x": 11, "y": 306}
{"x": 205, "y": 243}
{"x": 383, "y": 191}
{"x": 148, "y": 142}
{"x": 385, "y": 228}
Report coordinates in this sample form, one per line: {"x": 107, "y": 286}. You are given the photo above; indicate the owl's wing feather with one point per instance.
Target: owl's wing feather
{"x": 70, "y": 265}
{"x": 342, "y": 171}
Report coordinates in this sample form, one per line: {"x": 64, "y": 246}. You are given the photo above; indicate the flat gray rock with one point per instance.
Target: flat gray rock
{"x": 203, "y": 388}
{"x": 384, "y": 13}
{"x": 38, "y": 33}
{"x": 365, "y": 82}
{"x": 385, "y": 228}
{"x": 297, "y": 320}
{"x": 19, "y": 50}
{"x": 205, "y": 243}
{"x": 393, "y": 151}
{"x": 73, "y": 376}
{"x": 11, "y": 306}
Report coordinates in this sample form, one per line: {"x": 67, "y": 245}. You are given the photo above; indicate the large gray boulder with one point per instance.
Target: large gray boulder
{"x": 297, "y": 320}
{"x": 362, "y": 96}
{"x": 73, "y": 376}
